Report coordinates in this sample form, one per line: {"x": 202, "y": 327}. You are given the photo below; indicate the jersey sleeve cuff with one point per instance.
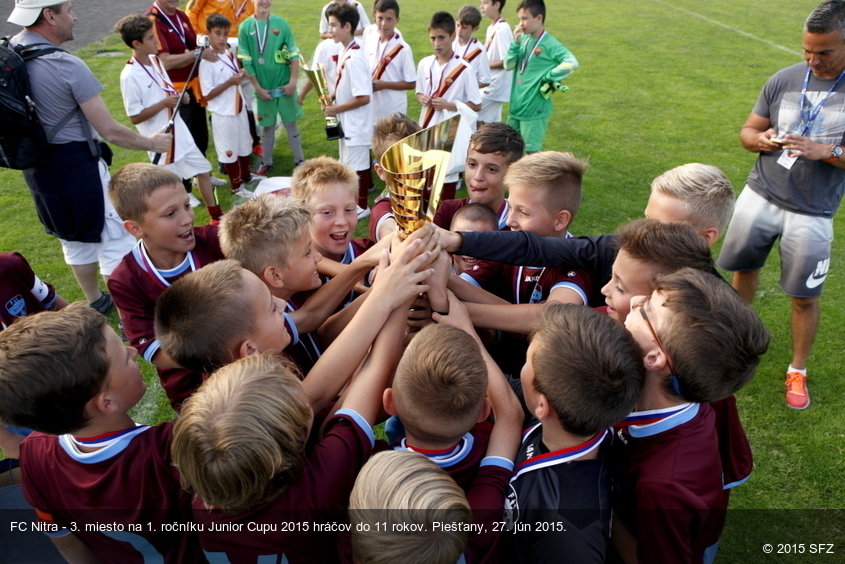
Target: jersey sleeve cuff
{"x": 499, "y": 461}
{"x": 359, "y": 420}
{"x": 151, "y": 350}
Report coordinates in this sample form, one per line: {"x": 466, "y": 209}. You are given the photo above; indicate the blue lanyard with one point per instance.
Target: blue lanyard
{"x": 809, "y": 115}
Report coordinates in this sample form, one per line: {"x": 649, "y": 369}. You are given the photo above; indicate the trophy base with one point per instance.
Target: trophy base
{"x": 334, "y": 132}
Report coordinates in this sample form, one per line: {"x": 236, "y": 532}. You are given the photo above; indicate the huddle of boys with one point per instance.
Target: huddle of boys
{"x": 297, "y": 469}
{"x": 243, "y": 455}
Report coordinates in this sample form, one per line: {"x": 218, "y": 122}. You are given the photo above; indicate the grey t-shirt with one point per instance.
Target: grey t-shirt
{"x": 60, "y": 82}
{"x": 809, "y": 187}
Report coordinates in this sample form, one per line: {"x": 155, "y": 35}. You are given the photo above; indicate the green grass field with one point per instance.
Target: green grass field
{"x": 661, "y": 84}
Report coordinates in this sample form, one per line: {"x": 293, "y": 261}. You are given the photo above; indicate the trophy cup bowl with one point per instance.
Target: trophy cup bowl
{"x": 415, "y": 169}
{"x": 317, "y": 77}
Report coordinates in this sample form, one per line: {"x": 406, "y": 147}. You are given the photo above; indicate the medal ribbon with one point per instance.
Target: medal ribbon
{"x": 809, "y": 115}
{"x": 523, "y": 60}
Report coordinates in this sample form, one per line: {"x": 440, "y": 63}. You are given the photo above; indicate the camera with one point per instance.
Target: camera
{"x": 202, "y": 41}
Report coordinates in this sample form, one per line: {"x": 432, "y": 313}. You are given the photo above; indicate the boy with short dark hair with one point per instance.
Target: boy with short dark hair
{"x": 471, "y": 217}
{"x": 540, "y": 62}
{"x": 352, "y": 97}
{"x": 444, "y": 77}
{"x": 468, "y": 47}
{"x": 583, "y": 373}
{"x": 493, "y": 147}
{"x": 701, "y": 343}
{"x": 150, "y": 97}
{"x": 497, "y": 43}
{"x": 442, "y": 393}
{"x": 391, "y": 62}
{"x": 220, "y": 82}
{"x": 68, "y": 375}
{"x": 155, "y": 208}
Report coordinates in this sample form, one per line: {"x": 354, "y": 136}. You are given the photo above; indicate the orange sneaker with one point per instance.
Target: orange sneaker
{"x": 797, "y": 393}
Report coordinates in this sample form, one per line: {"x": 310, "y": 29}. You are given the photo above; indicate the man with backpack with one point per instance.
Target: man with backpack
{"x": 69, "y": 180}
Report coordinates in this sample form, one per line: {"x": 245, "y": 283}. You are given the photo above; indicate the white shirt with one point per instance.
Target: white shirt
{"x": 141, "y": 87}
{"x": 400, "y": 68}
{"x": 431, "y": 74}
{"x": 352, "y": 80}
{"x": 499, "y": 39}
{"x": 214, "y": 73}
{"x": 480, "y": 64}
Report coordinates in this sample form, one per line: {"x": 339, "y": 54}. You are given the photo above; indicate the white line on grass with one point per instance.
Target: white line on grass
{"x": 728, "y": 27}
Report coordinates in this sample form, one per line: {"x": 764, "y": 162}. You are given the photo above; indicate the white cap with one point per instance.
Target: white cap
{"x": 27, "y": 11}
{"x": 274, "y": 184}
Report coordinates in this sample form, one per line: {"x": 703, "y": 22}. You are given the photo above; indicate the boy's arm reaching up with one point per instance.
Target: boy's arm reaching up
{"x": 507, "y": 411}
{"x": 394, "y": 286}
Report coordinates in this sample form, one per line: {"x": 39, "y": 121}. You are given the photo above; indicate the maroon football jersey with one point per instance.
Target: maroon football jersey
{"x": 135, "y": 287}
{"x": 288, "y": 526}
{"x": 123, "y": 501}
{"x": 671, "y": 494}
{"x": 22, "y": 293}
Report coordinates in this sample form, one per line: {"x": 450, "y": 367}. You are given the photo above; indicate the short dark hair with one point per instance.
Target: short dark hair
{"x": 132, "y": 28}
{"x": 667, "y": 246}
{"x": 469, "y": 15}
{"x": 477, "y": 213}
{"x": 51, "y": 364}
{"x": 828, "y": 16}
{"x": 534, "y": 7}
{"x": 442, "y": 20}
{"x": 498, "y": 138}
{"x": 217, "y": 20}
{"x": 345, "y": 13}
{"x": 714, "y": 339}
{"x": 588, "y": 366}
{"x": 385, "y": 5}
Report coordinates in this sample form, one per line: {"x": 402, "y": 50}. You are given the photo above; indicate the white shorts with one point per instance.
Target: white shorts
{"x": 114, "y": 243}
{"x": 231, "y": 137}
{"x": 190, "y": 165}
{"x": 805, "y": 242}
{"x": 356, "y": 157}
{"x": 491, "y": 111}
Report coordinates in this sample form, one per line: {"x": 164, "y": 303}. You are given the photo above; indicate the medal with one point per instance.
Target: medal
{"x": 519, "y": 81}
{"x": 260, "y": 60}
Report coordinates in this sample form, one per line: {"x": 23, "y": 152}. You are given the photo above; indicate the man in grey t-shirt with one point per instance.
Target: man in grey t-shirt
{"x": 794, "y": 190}
{"x": 69, "y": 184}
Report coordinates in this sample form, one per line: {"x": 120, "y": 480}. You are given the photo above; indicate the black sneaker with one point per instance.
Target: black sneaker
{"x": 103, "y": 303}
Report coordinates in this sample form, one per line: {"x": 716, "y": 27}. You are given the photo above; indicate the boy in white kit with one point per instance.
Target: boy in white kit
{"x": 352, "y": 93}
{"x": 470, "y": 48}
{"x": 443, "y": 79}
{"x": 220, "y": 81}
{"x": 499, "y": 39}
{"x": 391, "y": 62}
{"x": 149, "y": 98}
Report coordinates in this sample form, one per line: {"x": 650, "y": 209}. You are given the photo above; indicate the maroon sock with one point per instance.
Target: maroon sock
{"x": 365, "y": 182}
{"x": 233, "y": 171}
{"x": 215, "y": 212}
{"x": 245, "y": 164}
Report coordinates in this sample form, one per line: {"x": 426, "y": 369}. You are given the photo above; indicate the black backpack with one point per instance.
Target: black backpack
{"x": 23, "y": 140}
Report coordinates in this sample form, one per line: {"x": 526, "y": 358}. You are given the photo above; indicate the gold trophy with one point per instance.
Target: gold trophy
{"x": 317, "y": 76}
{"x": 415, "y": 169}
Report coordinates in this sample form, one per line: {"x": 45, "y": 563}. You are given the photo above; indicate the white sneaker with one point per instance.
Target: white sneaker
{"x": 363, "y": 212}
{"x": 218, "y": 181}
{"x": 243, "y": 193}
{"x": 193, "y": 200}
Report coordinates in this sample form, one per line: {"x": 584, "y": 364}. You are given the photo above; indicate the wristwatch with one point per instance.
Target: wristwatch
{"x": 835, "y": 154}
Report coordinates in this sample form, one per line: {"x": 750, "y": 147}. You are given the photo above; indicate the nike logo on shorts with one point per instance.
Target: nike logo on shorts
{"x": 818, "y": 276}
